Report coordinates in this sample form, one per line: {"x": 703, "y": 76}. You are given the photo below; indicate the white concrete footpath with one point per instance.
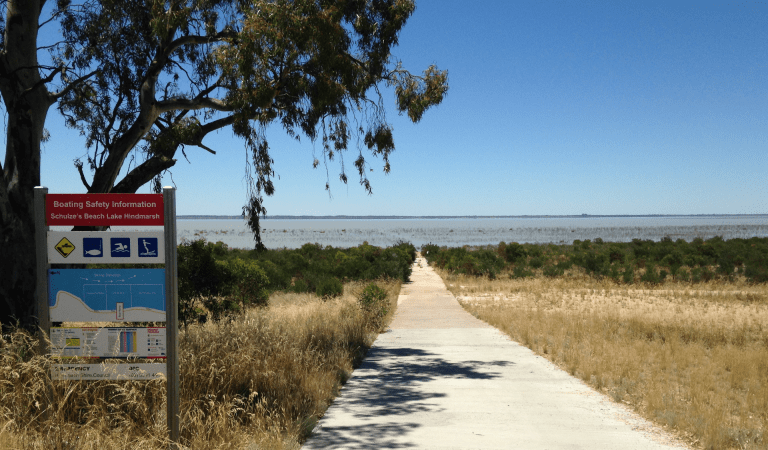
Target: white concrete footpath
{"x": 441, "y": 379}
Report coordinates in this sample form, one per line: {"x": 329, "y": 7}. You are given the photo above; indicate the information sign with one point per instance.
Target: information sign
{"x": 106, "y": 295}
{"x": 104, "y": 209}
{"x": 105, "y": 371}
{"x": 119, "y": 295}
{"x": 94, "y": 342}
{"x": 94, "y": 247}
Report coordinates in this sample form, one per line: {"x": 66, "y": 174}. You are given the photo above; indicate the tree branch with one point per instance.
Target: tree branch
{"x": 57, "y": 95}
{"x": 193, "y": 104}
{"x": 143, "y": 174}
{"x": 215, "y": 125}
{"x": 186, "y": 40}
{"x": 79, "y": 165}
{"x": 200, "y": 144}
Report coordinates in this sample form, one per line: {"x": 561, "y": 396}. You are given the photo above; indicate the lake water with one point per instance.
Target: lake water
{"x": 293, "y": 233}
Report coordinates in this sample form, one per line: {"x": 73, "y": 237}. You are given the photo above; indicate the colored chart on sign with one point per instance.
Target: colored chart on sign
{"x": 107, "y": 295}
{"x": 110, "y": 342}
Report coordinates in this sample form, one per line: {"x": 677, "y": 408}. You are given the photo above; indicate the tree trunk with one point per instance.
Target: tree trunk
{"x": 26, "y": 101}
{"x": 17, "y": 228}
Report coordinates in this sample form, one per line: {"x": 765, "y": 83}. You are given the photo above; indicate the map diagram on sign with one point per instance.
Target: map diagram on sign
{"x": 107, "y": 295}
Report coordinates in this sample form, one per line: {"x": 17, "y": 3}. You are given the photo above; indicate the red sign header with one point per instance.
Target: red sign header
{"x": 104, "y": 209}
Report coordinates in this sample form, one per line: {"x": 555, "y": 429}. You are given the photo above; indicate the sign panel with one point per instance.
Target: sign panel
{"x": 104, "y": 209}
{"x": 94, "y": 247}
{"x": 104, "y": 371}
{"x": 106, "y": 295}
{"x": 94, "y": 342}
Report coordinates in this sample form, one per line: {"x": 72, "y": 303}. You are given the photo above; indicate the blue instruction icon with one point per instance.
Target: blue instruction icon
{"x": 93, "y": 248}
{"x": 147, "y": 247}
{"x": 121, "y": 247}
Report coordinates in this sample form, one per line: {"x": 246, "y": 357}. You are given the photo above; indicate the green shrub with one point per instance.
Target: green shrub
{"x": 595, "y": 263}
{"x": 536, "y": 262}
{"x": 616, "y": 254}
{"x": 430, "y": 251}
{"x": 199, "y": 276}
{"x": 701, "y": 274}
{"x": 650, "y": 275}
{"x": 373, "y": 301}
{"x": 553, "y": 271}
{"x": 521, "y": 272}
{"x": 300, "y": 286}
{"x": 514, "y": 252}
{"x": 329, "y": 288}
{"x": 278, "y": 278}
{"x": 248, "y": 282}
{"x": 221, "y": 307}
{"x": 756, "y": 272}
{"x": 409, "y": 249}
{"x": 533, "y": 250}
{"x": 628, "y": 276}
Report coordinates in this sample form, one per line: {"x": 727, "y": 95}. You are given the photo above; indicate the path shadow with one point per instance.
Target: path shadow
{"x": 388, "y": 381}
{"x": 385, "y": 389}
{"x": 369, "y": 436}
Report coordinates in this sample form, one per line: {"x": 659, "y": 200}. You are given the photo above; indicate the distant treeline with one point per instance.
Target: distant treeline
{"x": 624, "y": 262}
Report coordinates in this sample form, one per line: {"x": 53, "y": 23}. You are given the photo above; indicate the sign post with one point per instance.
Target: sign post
{"x": 172, "y": 314}
{"x": 110, "y": 295}
{"x": 41, "y": 255}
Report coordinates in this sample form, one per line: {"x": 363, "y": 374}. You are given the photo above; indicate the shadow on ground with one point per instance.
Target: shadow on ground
{"x": 388, "y": 384}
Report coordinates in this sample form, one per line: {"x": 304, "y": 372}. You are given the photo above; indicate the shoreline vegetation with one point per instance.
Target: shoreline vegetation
{"x": 395, "y": 217}
{"x": 675, "y": 330}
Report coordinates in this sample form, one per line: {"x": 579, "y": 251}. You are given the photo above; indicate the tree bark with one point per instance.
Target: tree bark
{"x": 26, "y": 101}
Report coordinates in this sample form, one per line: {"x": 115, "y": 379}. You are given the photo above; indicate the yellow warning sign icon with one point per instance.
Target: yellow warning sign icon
{"x": 64, "y": 247}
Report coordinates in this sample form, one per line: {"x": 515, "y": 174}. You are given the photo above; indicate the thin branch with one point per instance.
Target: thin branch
{"x": 200, "y": 144}
{"x": 194, "y": 104}
{"x": 55, "y": 14}
{"x": 186, "y": 40}
{"x": 55, "y": 96}
{"x": 79, "y": 165}
{"x": 177, "y": 64}
{"x": 216, "y": 124}
{"x": 50, "y": 46}
{"x": 165, "y": 52}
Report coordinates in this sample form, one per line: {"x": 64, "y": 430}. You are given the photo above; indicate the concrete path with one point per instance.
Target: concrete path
{"x": 441, "y": 379}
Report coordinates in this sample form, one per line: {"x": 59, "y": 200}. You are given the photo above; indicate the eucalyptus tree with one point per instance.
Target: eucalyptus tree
{"x": 143, "y": 80}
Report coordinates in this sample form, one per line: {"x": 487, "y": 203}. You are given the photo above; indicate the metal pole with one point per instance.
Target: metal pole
{"x": 42, "y": 266}
{"x": 171, "y": 315}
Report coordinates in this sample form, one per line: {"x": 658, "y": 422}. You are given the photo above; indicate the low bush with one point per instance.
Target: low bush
{"x": 514, "y": 252}
{"x": 248, "y": 282}
{"x": 536, "y": 262}
{"x": 373, "y": 301}
{"x": 300, "y": 286}
{"x": 329, "y": 288}
{"x": 199, "y": 277}
{"x": 553, "y": 271}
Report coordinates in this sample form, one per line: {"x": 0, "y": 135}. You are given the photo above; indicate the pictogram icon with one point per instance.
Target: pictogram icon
{"x": 64, "y": 247}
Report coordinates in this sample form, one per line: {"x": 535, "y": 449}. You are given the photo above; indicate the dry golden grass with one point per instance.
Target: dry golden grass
{"x": 259, "y": 381}
{"x": 691, "y": 358}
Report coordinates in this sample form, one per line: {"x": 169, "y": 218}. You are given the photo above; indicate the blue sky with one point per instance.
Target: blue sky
{"x": 554, "y": 108}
